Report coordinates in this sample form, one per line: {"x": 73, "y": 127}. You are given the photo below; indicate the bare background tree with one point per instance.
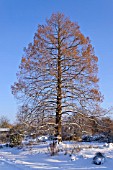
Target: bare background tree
{"x": 4, "y": 122}
{"x": 58, "y": 72}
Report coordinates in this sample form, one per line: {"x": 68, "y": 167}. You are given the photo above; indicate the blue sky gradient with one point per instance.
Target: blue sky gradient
{"x": 18, "y": 23}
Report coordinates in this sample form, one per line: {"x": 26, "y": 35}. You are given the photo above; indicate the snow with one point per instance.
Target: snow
{"x": 68, "y": 158}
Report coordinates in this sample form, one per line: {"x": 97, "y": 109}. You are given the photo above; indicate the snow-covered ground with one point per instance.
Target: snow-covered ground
{"x": 38, "y": 157}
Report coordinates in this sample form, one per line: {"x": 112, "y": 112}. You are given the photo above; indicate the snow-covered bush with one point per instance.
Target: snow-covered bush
{"x": 42, "y": 138}
{"x": 73, "y": 157}
{"x": 96, "y": 137}
{"x": 99, "y": 158}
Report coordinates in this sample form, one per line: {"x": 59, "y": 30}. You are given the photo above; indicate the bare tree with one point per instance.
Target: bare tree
{"x": 58, "y": 72}
{"x": 4, "y": 122}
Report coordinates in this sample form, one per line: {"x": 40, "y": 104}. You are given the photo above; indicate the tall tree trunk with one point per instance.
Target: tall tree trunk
{"x": 59, "y": 105}
{"x": 59, "y": 96}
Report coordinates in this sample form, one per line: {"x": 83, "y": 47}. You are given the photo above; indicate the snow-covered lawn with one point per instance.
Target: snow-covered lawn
{"x": 38, "y": 157}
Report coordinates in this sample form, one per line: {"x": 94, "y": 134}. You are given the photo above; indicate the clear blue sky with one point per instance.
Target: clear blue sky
{"x": 18, "y": 23}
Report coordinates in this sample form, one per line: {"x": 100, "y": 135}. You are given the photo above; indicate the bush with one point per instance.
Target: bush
{"x": 53, "y": 149}
{"x": 99, "y": 158}
{"x": 86, "y": 138}
{"x": 15, "y": 140}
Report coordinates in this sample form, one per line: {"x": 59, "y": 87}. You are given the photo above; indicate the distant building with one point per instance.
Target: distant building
{"x": 4, "y": 133}
{"x": 2, "y": 130}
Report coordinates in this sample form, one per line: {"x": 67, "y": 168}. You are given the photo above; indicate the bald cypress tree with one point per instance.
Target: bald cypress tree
{"x": 58, "y": 72}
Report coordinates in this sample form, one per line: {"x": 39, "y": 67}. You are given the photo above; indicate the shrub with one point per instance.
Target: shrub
{"x": 99, "y": 158}
{"x": 15, "y": 140}
{"x": 53, "y": 149}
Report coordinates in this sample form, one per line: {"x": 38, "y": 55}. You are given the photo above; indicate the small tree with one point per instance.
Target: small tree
{"x": 16, "y": 135}
{"x": 15, "y": 139}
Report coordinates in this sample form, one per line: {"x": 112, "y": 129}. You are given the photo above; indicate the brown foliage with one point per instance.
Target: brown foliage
{"x": 58, "y": 72}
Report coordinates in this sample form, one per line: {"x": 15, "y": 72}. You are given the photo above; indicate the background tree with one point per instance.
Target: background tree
{"x": 4, "y": 122}
{"x": 58, "y": 72}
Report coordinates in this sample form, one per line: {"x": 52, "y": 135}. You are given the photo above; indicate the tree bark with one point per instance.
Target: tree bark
{"x": 59, "y": 95}
{"x": 59, "y": 106}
